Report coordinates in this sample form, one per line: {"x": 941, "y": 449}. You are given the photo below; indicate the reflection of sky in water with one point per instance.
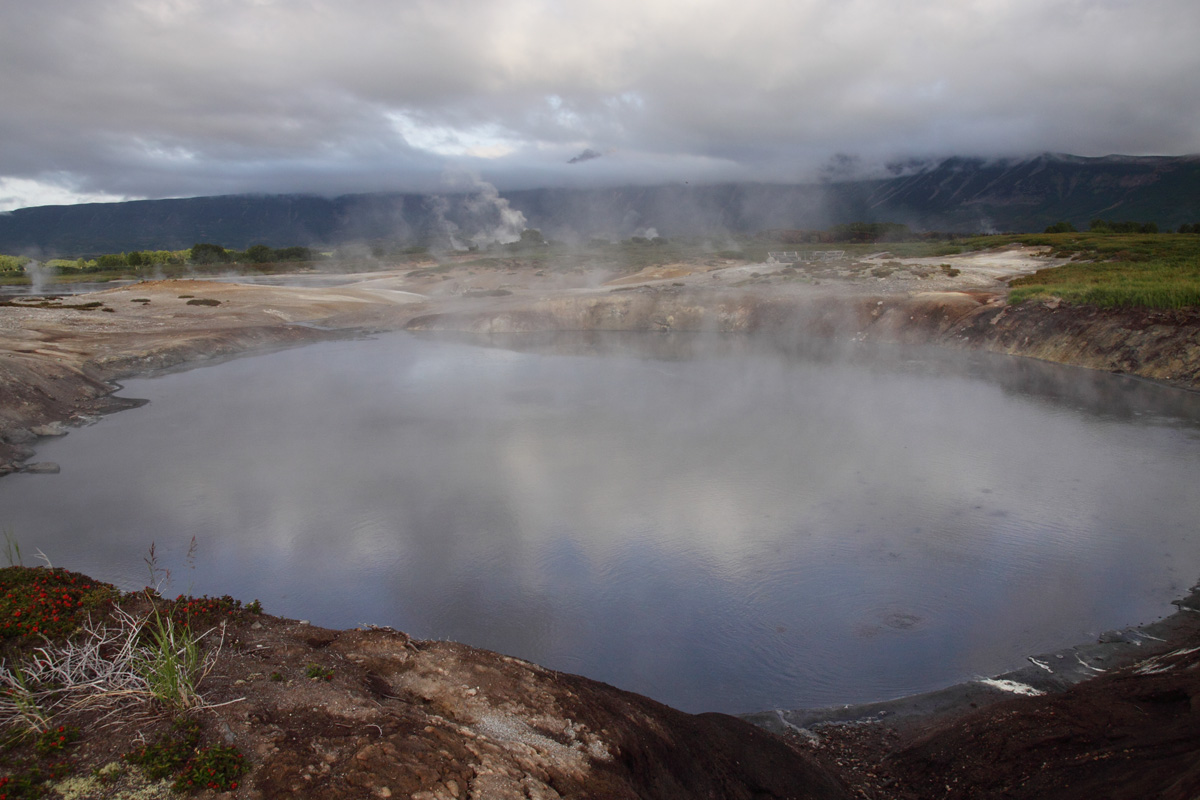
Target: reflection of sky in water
{"x": 736, "y": 532}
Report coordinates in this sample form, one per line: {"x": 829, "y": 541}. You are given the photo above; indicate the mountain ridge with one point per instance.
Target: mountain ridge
{"x": 960, "y": 194}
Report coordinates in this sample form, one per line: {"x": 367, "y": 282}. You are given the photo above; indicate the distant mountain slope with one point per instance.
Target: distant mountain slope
{"x": 1028, "y": 195}
{"x": 958, "y": 194}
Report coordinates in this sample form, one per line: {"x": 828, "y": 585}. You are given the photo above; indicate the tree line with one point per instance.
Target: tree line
{"x": 207, "y": 253}
{"x": 200, "y": 253}
{"x": 861, "y": 232}
{"x": 1113, "y": 226}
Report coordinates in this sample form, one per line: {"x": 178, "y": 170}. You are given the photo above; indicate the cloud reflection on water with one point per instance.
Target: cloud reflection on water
{"x": 735, "y": 532}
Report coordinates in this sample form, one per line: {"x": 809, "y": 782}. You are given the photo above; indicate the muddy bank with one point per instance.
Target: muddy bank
{"x": 1159, "y": 345}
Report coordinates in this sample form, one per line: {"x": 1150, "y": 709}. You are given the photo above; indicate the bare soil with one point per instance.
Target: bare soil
{"x": 392, "y": 716}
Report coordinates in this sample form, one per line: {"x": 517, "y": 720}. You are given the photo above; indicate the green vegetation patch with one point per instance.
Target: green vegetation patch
{"x": 179, "y": 754}
{"x": 56, "y": 740}
{"x": 55, "y": 303}
{"x": 169, "y": 753}
{"x": 29, "y": 780}
{"x": 317, "y": 672}
{"x": 216, "y": 768}
{"x": 1141, "y": 284}
{"x": 13, "y": 264}
{"x": 1111, "y": 270}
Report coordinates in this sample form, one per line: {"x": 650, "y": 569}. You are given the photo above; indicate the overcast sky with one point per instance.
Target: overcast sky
{"x": 112, "y": 99}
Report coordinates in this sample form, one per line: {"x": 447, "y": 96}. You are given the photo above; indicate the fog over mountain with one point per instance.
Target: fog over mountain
{"x": 125, "y": 99}
{"x": 963, "y": 195}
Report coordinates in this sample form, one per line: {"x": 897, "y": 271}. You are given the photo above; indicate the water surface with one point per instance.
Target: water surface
{"x": 717, "y": 524}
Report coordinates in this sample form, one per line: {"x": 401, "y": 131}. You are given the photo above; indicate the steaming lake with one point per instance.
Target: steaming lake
{"x": 715, "y": 523}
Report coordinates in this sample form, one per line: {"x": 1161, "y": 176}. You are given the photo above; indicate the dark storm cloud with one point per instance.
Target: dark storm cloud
{"x": 586, "y": 155}
{"x": 182, "y": 97}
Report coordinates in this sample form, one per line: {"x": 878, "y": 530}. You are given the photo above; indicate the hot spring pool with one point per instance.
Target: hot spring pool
{"x": 719, "y": 524}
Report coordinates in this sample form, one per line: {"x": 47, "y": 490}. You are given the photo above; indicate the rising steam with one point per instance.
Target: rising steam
{"x": 476, "y": 213}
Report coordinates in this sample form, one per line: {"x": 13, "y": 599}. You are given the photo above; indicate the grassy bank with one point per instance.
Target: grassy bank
{"x": 1111, "y": 270}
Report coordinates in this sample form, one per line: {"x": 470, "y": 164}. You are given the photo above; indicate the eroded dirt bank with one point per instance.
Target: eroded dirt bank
{"x": 373, "y": 713}
{"x": 1160, "y": 345}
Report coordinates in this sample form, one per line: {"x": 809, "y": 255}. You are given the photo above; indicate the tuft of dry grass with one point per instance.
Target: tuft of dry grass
{"x": 107, "y": 666}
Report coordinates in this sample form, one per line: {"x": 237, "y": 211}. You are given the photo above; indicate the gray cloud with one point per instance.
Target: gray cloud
{"x": 587, "y": 155}
{"x": 183, "y": 97}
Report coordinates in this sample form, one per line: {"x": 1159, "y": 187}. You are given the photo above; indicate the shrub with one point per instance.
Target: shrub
{"x": 317, "y": 672}
{"x": 29, "y": 781}
{"x": 178, "y": 752}
{"x": 56, "y": 739}
{"x": 216, "y": 768}
{"x": 295, "y": 254}
{"x": 40, "y": 601}
{"x": 259, "y": 254}
{"x": 205, "y": 253}
{"x": 169, "y": 753}
{"x": 1111, "y": 226}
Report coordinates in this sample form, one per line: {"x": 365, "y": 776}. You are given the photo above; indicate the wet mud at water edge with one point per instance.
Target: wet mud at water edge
{"x": 714, "y": 523}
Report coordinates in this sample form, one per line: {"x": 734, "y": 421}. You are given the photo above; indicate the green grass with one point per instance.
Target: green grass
{"x": 1157, "y": 271}
{"x": 173, "y": 664}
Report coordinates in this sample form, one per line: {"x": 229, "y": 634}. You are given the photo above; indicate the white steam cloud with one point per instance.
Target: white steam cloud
{"x": 474, "y": 212}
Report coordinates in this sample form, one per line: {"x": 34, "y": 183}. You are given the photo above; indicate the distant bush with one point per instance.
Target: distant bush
{"x": 871, "y": 232}
{"x": 157, "y": 257}
{"x": 1185, "y": 228}
{"x": 1061, "y": 226}
{"x": 262, "y": 254}
{"x": 532, "y": 236}
{"x": 295, "y": 254}
{"x": 259, "y": 254}
{"x": 13, "y": 263}
{"x": 205, "y": 253}
{"x": 1110, "y": 226}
